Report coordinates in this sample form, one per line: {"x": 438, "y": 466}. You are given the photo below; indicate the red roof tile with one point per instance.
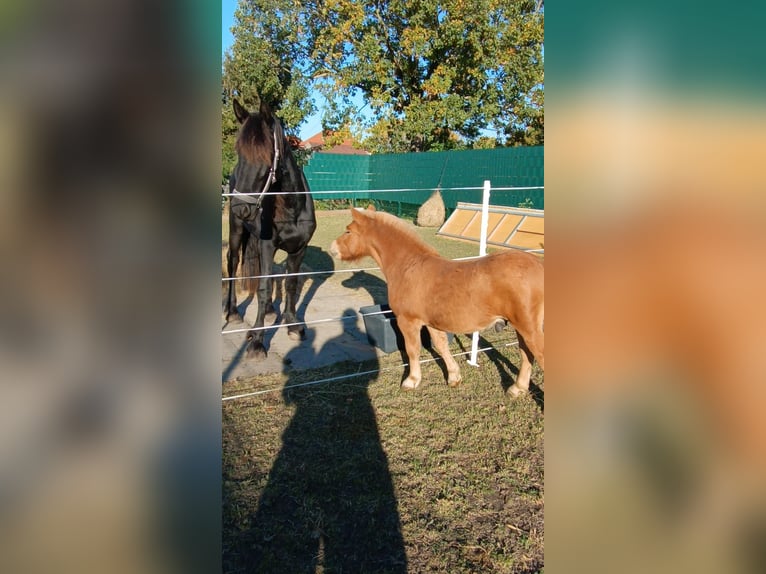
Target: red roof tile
{"x": 345, "y": 148}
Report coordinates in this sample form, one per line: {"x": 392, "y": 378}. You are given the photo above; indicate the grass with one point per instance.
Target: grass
{"x": 356, "y": 475}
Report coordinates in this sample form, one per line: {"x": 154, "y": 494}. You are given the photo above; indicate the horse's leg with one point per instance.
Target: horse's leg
{"x": 525, "y": 370}
{"x": 271, "y": 310}
{"x": 439, "y": 342}
{"x": 529, "y": 332}
{"x": 236, "y": 235}
{"x": 534, "y": 337}
{"x": 296, "y": 332}
{"x": 537, "y": 340}
{"x": 255, "y": 347}
{"x": 537, "y": 346}
{"x": 411, "y": 332}
{"x": 531, "y": 347}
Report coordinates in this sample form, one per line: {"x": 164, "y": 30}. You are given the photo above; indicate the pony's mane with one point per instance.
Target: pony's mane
{"x": 254, "y": 142}
{"x": 401, "y": 226}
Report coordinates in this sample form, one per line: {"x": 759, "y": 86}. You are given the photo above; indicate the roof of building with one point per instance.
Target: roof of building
{"x": 317, "y": 142}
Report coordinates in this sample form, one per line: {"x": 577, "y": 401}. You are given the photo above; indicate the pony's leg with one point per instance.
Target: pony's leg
{"x": 296, "y": 332}
{"x": 525, "y": 370}
{"x": 411, "y": 332}
{"x": 255, "y": 347}
{"x": 531, "y": 347}
{"x": 534, "y": 339}
{"x": 537, "y": 346}
{"x": 538, "y": 340}
{"x": 439, "y": 341}
{"x": 529, "y": 332}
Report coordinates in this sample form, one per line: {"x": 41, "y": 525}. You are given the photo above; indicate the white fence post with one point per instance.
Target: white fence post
{"x": 482, "y": 252}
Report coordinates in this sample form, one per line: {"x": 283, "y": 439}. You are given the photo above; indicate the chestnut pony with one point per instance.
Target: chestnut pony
{"x": 449, "y": 296}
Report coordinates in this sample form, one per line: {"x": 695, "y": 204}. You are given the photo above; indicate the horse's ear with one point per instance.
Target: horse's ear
{"x": 265, "y": 110}
{"x": 371, "y": 207}
{"x": 357, "y": 214}
{"x": 241, "y": 113}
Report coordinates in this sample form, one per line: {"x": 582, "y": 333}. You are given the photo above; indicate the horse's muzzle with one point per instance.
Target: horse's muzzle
{"x": 334, "y": 250}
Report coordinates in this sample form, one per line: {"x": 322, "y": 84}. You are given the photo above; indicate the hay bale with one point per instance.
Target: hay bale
{"x": 432, "y": 212}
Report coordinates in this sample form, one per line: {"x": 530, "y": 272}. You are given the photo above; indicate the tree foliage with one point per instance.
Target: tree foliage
{"x": 432, "y": 74}
{"x": 433, "y": 69}
{"x": 267, "y": 60}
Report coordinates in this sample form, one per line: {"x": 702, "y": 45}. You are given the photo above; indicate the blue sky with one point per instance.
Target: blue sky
{"x": 227, "y": 19}
{"x": 312, "y": 124}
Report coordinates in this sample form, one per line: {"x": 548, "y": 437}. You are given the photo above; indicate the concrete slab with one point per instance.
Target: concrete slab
{"x": 326, "y": 343}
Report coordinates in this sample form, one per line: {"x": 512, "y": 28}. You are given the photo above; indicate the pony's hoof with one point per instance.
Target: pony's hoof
{"x": 454, "y": 382}
{"x": 515, "y": 391}
{"x": 256, "y": 351}
{"x": 409, "y": 385}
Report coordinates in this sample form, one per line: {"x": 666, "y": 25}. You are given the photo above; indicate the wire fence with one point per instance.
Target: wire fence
{"x": 376, "y": 191}
{"x": 472, "y": 353}
{"x": 352, "y": 375}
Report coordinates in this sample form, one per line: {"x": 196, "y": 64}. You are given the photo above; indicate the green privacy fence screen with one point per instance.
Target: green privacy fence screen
{"x": 418, "y": 174}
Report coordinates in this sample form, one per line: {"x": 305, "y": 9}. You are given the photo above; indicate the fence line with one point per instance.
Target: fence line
{"x": 330, "y": 271}
{"x": 313, "y": 322}
{"x": 482, "y": 251}
{"x": 302, "y": 273}
{"x": 350, "y": 191}
{"x": 353, "y": 375}
{"x": 474, "y": 350}
{"x": 316, "y": 321}
{"x": 310, "y": 273}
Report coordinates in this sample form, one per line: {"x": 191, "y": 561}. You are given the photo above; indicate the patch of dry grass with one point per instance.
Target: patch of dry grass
{"x": 359, "y": 476}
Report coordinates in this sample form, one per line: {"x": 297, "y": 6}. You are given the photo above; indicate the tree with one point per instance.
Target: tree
{"x": 267, "y": 60}
{"x": 432, "y": 69}
{"x": 433, "y": 74}
{"x": 229, "y": 129}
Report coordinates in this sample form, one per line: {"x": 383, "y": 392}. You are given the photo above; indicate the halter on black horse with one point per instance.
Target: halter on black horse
{"x": 257, "y": 199}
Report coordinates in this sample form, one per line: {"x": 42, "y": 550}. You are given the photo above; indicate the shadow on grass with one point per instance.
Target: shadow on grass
{"x": 329, "y": 503}
{"x": 507, "y": 370}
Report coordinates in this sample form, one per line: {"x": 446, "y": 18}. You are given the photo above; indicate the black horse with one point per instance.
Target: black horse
{"x": 280, "y": 215}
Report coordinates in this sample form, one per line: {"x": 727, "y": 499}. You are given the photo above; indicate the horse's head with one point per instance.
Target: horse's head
{"x": 355, "y": 242}
{"x": 260, "y": 147}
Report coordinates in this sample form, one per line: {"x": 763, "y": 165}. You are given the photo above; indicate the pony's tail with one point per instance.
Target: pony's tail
{"x": 251, "y": 266}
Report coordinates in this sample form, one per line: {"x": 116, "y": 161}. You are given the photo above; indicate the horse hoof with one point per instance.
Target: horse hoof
{"x": 516, "y": 391}
{"x": 296, "y": 334}
{"x": 257, "y": 352}
{"x": 455, "y": 382}
{"x": 234, "y": 318}
{"x": 409, "y": 385}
